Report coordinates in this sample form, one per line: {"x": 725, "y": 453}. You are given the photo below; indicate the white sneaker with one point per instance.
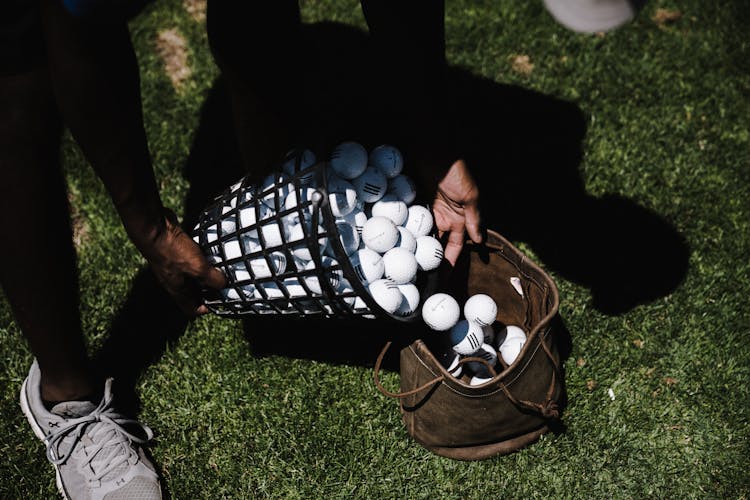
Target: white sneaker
{"x": 94, "y": 450}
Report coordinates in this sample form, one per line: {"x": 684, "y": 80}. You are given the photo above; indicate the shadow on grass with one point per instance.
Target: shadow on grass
{"x": 524, "y": 148}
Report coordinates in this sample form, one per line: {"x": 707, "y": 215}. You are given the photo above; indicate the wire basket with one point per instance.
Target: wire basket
{"x": 245, "y": 233}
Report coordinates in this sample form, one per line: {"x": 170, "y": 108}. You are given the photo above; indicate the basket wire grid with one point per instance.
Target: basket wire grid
{"x": 285, "y": 289}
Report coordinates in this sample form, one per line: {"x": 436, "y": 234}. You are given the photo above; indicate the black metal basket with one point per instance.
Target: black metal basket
{"x": 258, "y": 283}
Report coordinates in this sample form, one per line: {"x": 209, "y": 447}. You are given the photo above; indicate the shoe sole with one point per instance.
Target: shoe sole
{"x": 40, "y": 434}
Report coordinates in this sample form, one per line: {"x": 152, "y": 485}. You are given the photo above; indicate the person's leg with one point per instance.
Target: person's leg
{"x": 38, "y": 266}
{"x": 408, "y": 49}
{"x": 38, "y": 270}
{"x": 258, "y": 48}
{"x": 96, "y": 83}
{"x": 408, "y": 42}
{"x": 408, "y": 35}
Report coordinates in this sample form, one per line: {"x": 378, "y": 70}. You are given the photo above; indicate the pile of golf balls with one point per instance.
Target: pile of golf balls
{"x": 263, "y": 237}
{"x": 477, "y": 334}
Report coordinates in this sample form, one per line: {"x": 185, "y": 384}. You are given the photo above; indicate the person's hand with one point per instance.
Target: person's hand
{"x": 456, "y": 210}
{"x": 181, "y": 267}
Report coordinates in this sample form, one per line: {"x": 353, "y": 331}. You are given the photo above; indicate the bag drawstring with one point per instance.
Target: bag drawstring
{"x": 390, "y": 394}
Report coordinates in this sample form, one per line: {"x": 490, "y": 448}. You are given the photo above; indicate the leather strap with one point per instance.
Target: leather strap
{"x": 390, "y": 394}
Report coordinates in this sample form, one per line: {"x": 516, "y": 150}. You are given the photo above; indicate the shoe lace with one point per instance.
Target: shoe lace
{"x": 107, "y": 431}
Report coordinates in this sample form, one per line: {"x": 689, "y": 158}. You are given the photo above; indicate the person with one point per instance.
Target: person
{"x": 68, "y": 63}
{"x": 59, "y": 68}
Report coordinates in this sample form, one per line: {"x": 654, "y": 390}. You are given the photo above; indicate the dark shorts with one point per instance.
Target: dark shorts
{"x": 21, "y": 38}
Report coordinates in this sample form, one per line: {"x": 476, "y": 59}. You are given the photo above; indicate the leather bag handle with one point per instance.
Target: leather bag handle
{"x": 399, "y": 395}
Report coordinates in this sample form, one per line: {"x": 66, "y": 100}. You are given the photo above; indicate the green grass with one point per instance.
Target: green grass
{"x": 667, "y": 110}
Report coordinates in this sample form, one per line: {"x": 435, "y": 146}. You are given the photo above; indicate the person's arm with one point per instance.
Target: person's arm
{"x": 409, "y": 39}
{"x": 95, "y": 78}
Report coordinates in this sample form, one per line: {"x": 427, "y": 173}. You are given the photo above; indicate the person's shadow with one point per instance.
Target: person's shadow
{"x": 524, "y": 148}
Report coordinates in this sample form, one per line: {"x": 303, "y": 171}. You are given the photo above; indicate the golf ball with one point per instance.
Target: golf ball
{"x": 306, "y": 159}
{"x": 403, "y": 187}
{"x": 330, "y": 271}
{"x": 391, "y": 207}
{"x": 400, "y": 265}
{"x": 348, "y": 159}
{"x": 370, "y": 185}
{"x": 429, "y": 253}
{"x": 342, "y": 196}
{"x": 386, "y": 294}
{"x": 487, "y": 353}
{"x": 406, "y": 240}
{"x": 379, "y": 234}
{"x": 410, "y": 302}
{"x": 440, "y": 311}
{"x": 299, "y": 244}
{"x": 388, "y": 159}
{"x": 419, "y": 221}
{"x": 480, "y": 308}
{"x": 466, "y": 337}
{"x": 368, "y": 265}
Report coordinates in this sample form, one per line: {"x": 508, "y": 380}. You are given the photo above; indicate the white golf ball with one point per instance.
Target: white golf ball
{"x": 403, "y": 187}
{"x": 356, "y": 218}
{"x": 410, "y": 302}
{"x": 239, "y": 272}
{"x": 238, "y": 247}
{"x": 249, "y": 217}
{"x": 391, "y": 207}
{"x": 365, "y": 207}
{"x": 480, "y": 308}
{"x": 360, "y": 304}
{"x": 228, "y": 220}
{"x": 212, "y": 233}
{"x": 289, "y": 288}
{"x": 508, "y": 332}
{"x": 273, "y": 234}
{"x": 334, "y": 276}
{"x": 419, "y": 221}
{"x": 487, "y": 353}
{"x": 269, "y": 290}
{"x": 400, "y": 265}
{"x": 342, "y": 196}
{"x": 273, "y": 189}
{"x": 302, "y": 202}
{"x": 466, "y": 337}
{"x": 406, "y": 240}
{"x": 440, "y": 311}
{"x": 348, "y": 159}
{"x": 299, "y": 245}
{"x": 379, "y": 234}
{"x": 511, "y": 347}
{"x": 429, "y": 253}
{"x": 245, "y": 291}
{"x": 345, "y": 291}
{"x": 348, "y": 237}
{"x": 475, "y": 380}
{"x": 371, "y": 185}
{"x": 368, "y": 265}
{"x": 306, "y": 159}
{"x": 449, "y": 360}
{"x": 489, "y": 335}
{"x": 260, "y": 266}
{"x": 386, "y": 294}
{"x": 388, "y": 159}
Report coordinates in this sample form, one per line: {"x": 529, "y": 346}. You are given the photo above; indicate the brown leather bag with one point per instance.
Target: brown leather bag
{"x": 520, "y": 403}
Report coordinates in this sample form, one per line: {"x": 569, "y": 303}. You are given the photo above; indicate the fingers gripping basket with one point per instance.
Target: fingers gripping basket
{"x": 281, "y": 249}
{"x": 454, "y": 419}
